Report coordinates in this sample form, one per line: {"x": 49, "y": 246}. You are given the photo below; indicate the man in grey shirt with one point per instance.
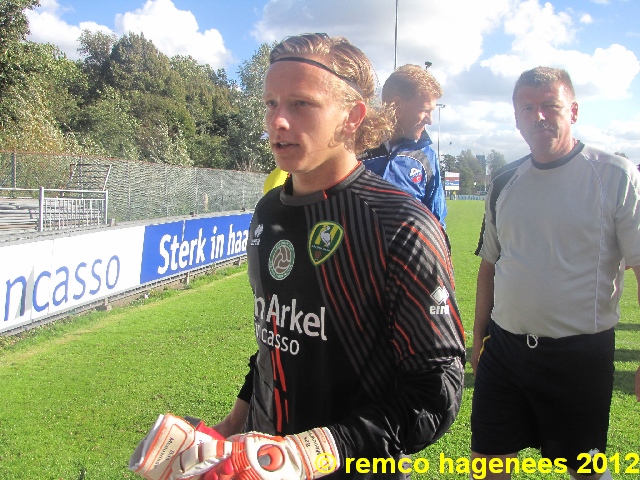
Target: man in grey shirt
{"x": 560, "y": 226}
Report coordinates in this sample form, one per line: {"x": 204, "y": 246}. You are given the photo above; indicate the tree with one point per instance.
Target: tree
{"x": 135, "y": 64}
{"x": 14, "y": 28}
{"x": 208, "y": 101}
{"x": 95, "y": 51}
{"x": 470, "y": 172}
{"x": 448, "y": 163}
{"x": 157, "y": 95}
{"x": 621, "y": 154}
{"x": 495, "y": 160}
{"x": 37, "y": 112}
{"x": 247, "y": 148}
{"x": 108, "y": 126}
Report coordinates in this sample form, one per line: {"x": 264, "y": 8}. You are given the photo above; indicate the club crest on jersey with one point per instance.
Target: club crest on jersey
{"x": 281, "y": 259}
{"x": 324, "y": 240}
{"x": 415, "y": 174}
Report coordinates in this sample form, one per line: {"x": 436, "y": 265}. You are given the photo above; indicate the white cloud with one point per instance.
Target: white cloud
{"x": 540, "y": 32}
{"x": 586, "y": 19}
{"x": 619, "y": 136}
{"x": 477, "y": 84}
{"x": 425, "y": 30}
{"x": 46, "y": 26}
{"x": 534, "y": 25}
{"x": 477, "y": 48}
{"x": 173, "y": 31}
{"x": 481, "y": 126}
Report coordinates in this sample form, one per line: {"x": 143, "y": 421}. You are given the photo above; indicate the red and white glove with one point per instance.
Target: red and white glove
{"x": 154, "y": 457}
{"x": 257, "y": 456}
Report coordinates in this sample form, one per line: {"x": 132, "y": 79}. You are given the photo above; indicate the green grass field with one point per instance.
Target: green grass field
{"x": 78, "y": 395}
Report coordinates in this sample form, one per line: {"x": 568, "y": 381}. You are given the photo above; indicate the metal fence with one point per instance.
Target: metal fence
{"x": 137, "y": 190}
{"x": 43, "y": 209}
{"x": 72, "y": 208}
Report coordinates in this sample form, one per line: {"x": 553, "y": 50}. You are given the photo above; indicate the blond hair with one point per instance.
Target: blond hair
{"x": 409, "y": 81}
{"x": 358, "y": 81}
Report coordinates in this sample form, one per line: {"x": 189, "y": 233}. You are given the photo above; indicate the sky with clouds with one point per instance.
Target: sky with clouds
{"x": 477, "y": 50}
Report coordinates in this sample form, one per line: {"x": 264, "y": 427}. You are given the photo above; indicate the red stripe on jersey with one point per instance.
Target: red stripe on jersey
{"x": 415, "y": 278}
{"x": 325, "y": 280}
{"x": 286, "y": 409}
{"x": 278, "y": 374}
{"x": 388, "y": 192}
{"x": 354, "y": 310}
{"x": 433, "y": 250}
{"x": 406, "y": 338}
{"x": 374, "y": 284}
{"x": 443, "y": 246}
{"x": 283, "y": 382}
{"x": 453, "y": 312}
{"x": 424, "y": 312}
{"x": 273, "y": 364}
{"x": 383, "y": 260}
{"x": 394, "y": 342}
{"x": 455, "y": 316}
{"x": 414, "y": 299}
{"x": 276, "y": 393}
{"x": 352, "y": 262}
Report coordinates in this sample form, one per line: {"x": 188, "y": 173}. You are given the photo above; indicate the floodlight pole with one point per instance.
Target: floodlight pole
{"x": 395, "y": 54}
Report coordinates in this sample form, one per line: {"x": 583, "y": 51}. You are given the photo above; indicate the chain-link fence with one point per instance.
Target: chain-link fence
{"x": 137, "y": 190}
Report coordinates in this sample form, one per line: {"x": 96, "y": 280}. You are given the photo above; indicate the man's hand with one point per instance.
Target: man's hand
{"x": 475, "y": 354}
{"x": 155, "y": 455}
{"x": 305, "y": 456}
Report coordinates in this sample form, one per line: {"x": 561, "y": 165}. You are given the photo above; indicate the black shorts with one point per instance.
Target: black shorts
{"x": 555, "y": 396}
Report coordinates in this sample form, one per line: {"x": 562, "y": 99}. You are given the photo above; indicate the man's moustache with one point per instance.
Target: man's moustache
{"x": 541, "y": 127}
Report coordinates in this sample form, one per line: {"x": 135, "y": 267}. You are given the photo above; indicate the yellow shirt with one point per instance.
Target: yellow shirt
{"x": 274, "y": 179}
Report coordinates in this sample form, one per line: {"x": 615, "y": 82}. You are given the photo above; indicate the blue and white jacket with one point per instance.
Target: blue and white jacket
{"x": 413, "y": 166}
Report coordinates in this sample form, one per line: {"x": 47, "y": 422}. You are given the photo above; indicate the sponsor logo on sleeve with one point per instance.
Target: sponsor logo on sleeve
{"x": 440, "y": 296}
{"x": 256, "y": 235}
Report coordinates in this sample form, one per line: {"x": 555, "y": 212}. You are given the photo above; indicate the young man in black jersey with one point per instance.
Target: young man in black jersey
{"x": 360, "y": 342}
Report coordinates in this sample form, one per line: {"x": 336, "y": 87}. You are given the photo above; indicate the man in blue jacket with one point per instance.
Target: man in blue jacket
{"x": 407, "y": 160}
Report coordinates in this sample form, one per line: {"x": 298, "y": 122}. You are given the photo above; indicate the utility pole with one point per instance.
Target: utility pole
{"x": 395, "y": 55}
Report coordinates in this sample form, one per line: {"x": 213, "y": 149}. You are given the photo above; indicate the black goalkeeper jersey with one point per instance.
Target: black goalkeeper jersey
{"x": 355, "y": 318}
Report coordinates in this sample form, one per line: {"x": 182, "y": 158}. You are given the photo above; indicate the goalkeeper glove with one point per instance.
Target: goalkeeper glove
{"x": 256, "y": 456}
{"x": 154, "y": 456}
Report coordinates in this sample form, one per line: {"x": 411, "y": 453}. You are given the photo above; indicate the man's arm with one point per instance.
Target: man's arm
{"x": 234, "y": 422}
{"x": 484, "y": 306}
{"x": 434, "y": 196}
{"x": 636, "y": 270}
{"x": 428, "y": 344}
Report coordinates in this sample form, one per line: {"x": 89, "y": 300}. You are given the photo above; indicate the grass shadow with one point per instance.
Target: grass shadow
{"x": 628, "y": 327}
{"x": 624, "y": 381}
{"x": 625, "y": 355}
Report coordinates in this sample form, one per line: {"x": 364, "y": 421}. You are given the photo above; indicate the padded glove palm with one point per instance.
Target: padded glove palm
{"x": 256, "y": 456}
{"x": 154, "y": 457}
